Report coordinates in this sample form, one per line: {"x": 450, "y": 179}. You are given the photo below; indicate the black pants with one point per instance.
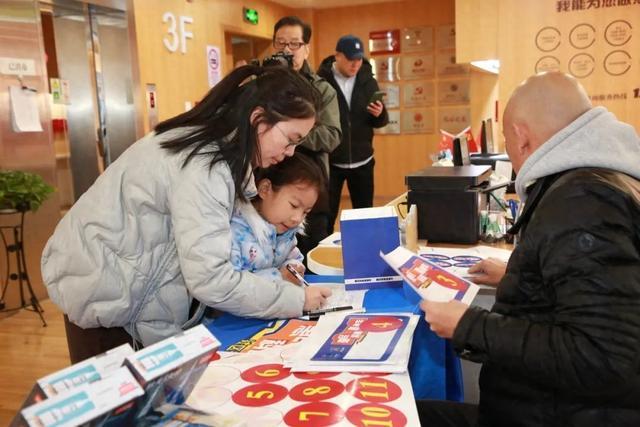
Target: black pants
{"x": 86, "y": 343}
{"x": 359, "y": 183}
{"x": 442, "y": 413}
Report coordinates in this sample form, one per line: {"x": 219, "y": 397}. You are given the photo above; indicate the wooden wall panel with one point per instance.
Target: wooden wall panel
{"x": 518, "y": 27}
{"x": 183, "y": 77}
{"x": 397, "y": 155}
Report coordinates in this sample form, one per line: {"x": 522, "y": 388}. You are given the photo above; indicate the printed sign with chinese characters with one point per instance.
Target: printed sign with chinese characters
{"x": 418, "y": 121}
{"x": 384, "y": 68}
{"x": 454, "y": 120}
{"x": 393, "y": 127}
{"x": 384, "y": 42}
{"x": 418, "y": 94}
{"x": 417, "y": 39}
{"x": 416, "y": 67}
{"x": 453, "y": 92}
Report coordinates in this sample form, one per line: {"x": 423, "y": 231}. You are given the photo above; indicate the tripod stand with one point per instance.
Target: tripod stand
{"x": 16, "y": 232}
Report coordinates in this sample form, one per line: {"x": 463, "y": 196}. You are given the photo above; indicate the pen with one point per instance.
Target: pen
{"x": 327, "y": 310}
{"x": 297, "y": 275}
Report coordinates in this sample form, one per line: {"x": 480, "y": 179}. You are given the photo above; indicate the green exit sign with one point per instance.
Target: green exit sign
{"x": 250, "y": 15}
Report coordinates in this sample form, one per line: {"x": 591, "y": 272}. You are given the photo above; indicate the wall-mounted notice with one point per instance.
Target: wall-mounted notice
{"x": 393, "y": 127}
{"x": 418, "y": 94}
{"x": 453, "y": 92}
{"x": 417, "y": 39}
{"x": 447, "y": 37}
{"x": 384, "y": 68}
{"x": 384, "y": 42}
{"x": 454, "y": 120}
{"x": 392, "y": 99}
{"x": 418, "y": 121}
{"x": 214, "y": 66}
{"x": 416, "y": 67}
{"x": 446, "y": 65}
{"x": 25, "y": 116}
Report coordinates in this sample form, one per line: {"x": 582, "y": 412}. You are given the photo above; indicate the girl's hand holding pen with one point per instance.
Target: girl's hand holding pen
{"x": 315, "y": 297}
{"x": 487, "y": 272}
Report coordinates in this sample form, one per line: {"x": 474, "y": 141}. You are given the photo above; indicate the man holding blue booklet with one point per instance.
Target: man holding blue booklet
{"x": 561, "y": 346}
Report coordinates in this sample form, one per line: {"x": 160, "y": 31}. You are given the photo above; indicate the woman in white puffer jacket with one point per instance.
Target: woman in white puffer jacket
{"x": 147, "y": 247}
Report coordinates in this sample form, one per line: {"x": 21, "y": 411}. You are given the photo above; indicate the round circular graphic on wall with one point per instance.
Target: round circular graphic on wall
{"x": 618, "y": 32}
{"x": 581, "y": 65}
{"x": 582, "y": 36}
{"x": 617, "y": 62}
{"x": 548, "y": 39}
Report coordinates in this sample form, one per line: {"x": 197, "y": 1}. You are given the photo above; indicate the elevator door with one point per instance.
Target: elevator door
{"x": 92, "y": 49}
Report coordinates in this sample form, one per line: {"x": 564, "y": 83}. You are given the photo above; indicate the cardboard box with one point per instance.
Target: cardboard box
{"x": 87, "y": 371}
{"x": 365, "y": 233}
{"x": 170, "y": 369}
{"x": 109, "y": 401}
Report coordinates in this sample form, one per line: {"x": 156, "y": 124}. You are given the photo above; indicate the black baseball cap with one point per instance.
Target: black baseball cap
{"x": 351, "y": 47}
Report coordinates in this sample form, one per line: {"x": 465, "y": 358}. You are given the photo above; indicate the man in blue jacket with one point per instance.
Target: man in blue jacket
{"x": 350, "y": 74}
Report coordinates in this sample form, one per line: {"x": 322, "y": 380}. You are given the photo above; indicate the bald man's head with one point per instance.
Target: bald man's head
{"x": 538, "y": 108}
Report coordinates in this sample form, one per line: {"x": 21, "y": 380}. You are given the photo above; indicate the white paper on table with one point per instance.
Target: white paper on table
{"x": 366, "y": 348}
{"x": 458, "y": 260}
{"x": 428, "y": 279}
{"x": 25, "y": 116}
{"x": 340, "y": 297}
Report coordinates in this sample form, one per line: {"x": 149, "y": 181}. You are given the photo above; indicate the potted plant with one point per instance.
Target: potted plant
{"x": 22, "y": 191}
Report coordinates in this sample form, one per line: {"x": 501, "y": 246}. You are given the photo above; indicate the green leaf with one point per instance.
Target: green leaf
{"x": 22, "y": 190}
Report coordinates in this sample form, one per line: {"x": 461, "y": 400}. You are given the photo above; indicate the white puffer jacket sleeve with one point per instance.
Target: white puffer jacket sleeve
{"x": 201, "y": 217}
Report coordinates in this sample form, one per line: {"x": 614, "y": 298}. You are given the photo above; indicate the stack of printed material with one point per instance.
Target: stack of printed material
{"x": 255, "y": 389}
{"x": 429, "y": 281}
{"x": 356, "y": 342}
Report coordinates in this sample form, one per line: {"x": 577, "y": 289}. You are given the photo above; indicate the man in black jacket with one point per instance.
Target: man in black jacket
{"x": 561, "y": 345}
{"x": 350, "y": 75}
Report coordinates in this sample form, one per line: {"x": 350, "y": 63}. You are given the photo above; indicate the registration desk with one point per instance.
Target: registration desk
{"x": 433, "y": 367}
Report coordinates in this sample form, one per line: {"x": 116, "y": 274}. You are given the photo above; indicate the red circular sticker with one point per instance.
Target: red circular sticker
{"x": 215, "y": 356}
{"x": 260, "y": 395}
{"x": 371, "y": 374}
{"x": 265, "y": 373}
{"x": 316, "y": 414}
{"x": 381, "y": 324}
{"x": 374, "y": 389}
{"x": 370, "y": 414}
{"x": 314, "y": 375}
{"x": 316, "y": 390}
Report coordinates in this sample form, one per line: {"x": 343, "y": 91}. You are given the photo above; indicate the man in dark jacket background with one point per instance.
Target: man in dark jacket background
{"x": 291, "y": 35}
{"x": 350, "y": 75}
{"x": 561, "y": 345}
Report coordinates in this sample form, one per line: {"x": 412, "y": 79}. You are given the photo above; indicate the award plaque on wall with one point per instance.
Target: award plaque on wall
{"x": 392, "y": 97}
{"x": 418, "y": 121}
{"x": 393, "y": 127}
{"x": 417, "y": 39}
{"x": 384, "y": 42}
{"x": 418, "y": 94}
{"x": 416, "y": 67}
{"x": 453, "y": 92}
{"x": 384, "y": 68}
{"x": 454, "y": 120}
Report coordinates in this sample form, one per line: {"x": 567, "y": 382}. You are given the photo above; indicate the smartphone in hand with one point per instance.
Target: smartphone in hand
{"x": 377, "y": 96}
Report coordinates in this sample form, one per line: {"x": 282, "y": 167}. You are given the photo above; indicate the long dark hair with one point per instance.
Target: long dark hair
{"x": 219, "y": 126}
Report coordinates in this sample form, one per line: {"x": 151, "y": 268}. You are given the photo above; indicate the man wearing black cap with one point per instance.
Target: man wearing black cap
{"x": 350, "y": 74}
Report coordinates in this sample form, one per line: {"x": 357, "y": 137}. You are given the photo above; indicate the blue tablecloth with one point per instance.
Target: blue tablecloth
{"x": 434, "y": 369}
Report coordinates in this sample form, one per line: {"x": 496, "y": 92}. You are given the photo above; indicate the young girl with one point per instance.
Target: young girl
{"x": 264, "y": 229}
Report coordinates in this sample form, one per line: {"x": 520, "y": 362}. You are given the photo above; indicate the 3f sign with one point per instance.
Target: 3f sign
{"x": 177, "y": 32}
